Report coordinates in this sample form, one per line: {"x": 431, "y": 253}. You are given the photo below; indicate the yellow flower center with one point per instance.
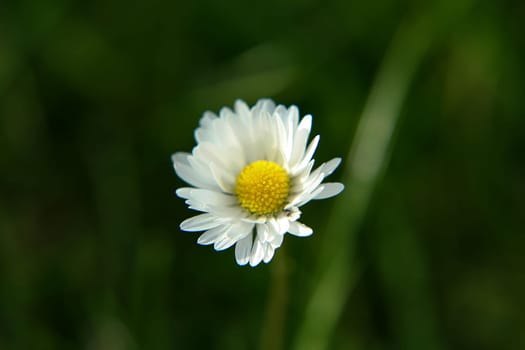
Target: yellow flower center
{"x": 262, "y": 187}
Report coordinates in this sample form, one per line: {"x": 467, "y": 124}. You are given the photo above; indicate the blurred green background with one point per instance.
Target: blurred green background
{"x": 95, "y": 96}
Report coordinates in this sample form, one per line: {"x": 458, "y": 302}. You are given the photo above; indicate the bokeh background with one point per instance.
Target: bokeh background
{"x": 428, "y": 243}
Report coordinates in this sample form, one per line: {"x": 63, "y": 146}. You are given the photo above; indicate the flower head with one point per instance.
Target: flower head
{"x": 251, "y": 170}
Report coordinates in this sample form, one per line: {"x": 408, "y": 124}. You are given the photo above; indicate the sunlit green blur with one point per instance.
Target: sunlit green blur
{"x": 424, "y": 102}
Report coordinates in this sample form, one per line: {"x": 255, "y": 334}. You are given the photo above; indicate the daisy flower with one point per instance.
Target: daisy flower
{"x": 250, "y": 172}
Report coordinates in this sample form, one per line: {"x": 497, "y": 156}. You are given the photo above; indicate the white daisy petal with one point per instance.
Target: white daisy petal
{"x": 232, "y": 213}
{"x": 210, "y": 153}
{"x": 300, "y": 230}
{"x": 180, "y": 158}
{"x": 207, "y": 118}
{"x": 219, "y": 204}
{"x": 210, "y": 236}
{"x": 293, "y": 114}
{"x": 313, "y": 181}
{"x": 196, "y": 172}
{"x": 282, "y": 137}
{"x": 276, "y": 241}
{"x": 300, "y": 139}
{"x": 200, "y": 223}
{"x": 309, "y": 196}
{"x": 268, "y": 253}
{"x": 257, "y": 253}
{"x": 250, "y": 172}
{"x": 273, "y": 227}
{"x": 227, "y": 136}
{"x": 330, "y": 166}
{"x": 224, "y": 180}
{"x": 243, "y": 250}
{"x": 242, "y": 110}
{"x": 282, "y": 112}
{"x": 307, "y": 156}
{"x": 330, "y": 189}
{"x": 198, "y": 206}
{"x": 223, "y": 243}
{"x": 288, "y": 123}
{"x": 263, "y": 232}
{"x": 302, "y": 175}
{"x": 284, "y": 224}
{"x": 225, "y": 112}
{"x": 263, "y": 105}
{"x": 270, "y": 143}
{"x": 184, "y": 170}
{"x": 202, "y": 133}
{"x": 309, "y": 153}
{"x": 240, "y": 230}
{"x": 206, "y": 196}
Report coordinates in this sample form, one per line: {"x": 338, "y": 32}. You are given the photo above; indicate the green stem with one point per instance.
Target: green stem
{"x": 272, "y": 333}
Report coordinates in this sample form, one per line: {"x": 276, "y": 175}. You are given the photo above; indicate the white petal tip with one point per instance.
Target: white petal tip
{"x": 300, "y": 230}
{"x": 200, "y": 222}
{"x": 330, "y": 189}
{"x": 203, "y": 242}
{"x": 242, "y": 262}
{"x": 182, "y": 192}
{"x": 269, "y": 254}
{"x": 254, "y": 263}
{"x": 178, "y": 157}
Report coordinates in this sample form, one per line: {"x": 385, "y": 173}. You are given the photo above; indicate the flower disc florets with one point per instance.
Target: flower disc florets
{"x": 262, "y": 187}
